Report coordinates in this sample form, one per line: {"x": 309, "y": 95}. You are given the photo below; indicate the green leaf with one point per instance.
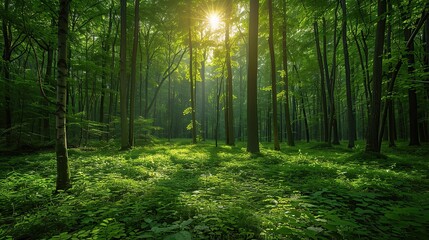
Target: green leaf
{"x": 182, "y": 235}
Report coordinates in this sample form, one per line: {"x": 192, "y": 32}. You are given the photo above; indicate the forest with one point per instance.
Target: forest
{"x": 214, "y": 119}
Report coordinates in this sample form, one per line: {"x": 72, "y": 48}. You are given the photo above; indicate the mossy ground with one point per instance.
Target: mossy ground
{"x": 175, "y": 190}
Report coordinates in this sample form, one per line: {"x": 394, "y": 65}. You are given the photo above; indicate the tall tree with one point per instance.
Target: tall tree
{"x": 350, "y": 108}
{"x": 372, "y": 142}
{"x": 252, "y": 77}
{"x": 6, "y": 58}
{"x": 123, "y": 77}
{"x": 191, "y": 79}
{"x": 273, "y": 75}
{"x": 412, "y": 92}
{"x": 325, "y": 128}
{"x": 105, "y": 47}
{"x": 63, "y": 168}
{"x": 229, "y": 119}
{"x": 290, "y": 138}
{"x": 133, "y": 89}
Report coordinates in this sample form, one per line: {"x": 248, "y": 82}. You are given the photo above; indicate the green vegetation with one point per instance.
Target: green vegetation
{"x": 181, "y": 191}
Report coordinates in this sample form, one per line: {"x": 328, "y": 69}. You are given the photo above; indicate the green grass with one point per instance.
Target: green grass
{"x": 181, "y": 191}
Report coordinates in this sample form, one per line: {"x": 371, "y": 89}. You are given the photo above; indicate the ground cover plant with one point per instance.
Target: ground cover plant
{"x": 174, "y": 190}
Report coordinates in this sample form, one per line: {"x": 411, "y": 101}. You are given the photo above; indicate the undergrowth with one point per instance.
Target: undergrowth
{"x": 174, "y": 190}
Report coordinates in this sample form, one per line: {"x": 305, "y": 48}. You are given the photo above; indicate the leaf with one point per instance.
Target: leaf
{"x": 182, "y": 235}
{"x": 282, "y": 73}
{"x": 187, "y": 111}
{"x": 186, "y": 223}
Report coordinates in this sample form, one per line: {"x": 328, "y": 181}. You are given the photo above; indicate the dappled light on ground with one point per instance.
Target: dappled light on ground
{"x": 180, "y": 191}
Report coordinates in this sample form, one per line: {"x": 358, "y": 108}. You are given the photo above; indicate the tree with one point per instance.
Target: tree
{"x": 290, "y": 139}
{"x": 134, "y": 73}
{"x": 325, "y": 127}
{"x": 123, "y": 78}
{"x": 63, "y": 169}
{"x": 273, "y": 75}
{"x": 229, "y": 119}
{"x": 252, "y": 77}
{"x": 372, "y": 142}
{"x": 191, "y": 80}
{"x": 350, "y": 108}
{"x": 412, "y": 92}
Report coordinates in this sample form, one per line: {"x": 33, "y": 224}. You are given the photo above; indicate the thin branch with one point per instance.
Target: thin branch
{"x": 39, "y": 75}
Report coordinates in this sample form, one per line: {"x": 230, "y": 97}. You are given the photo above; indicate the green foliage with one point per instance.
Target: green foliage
{"x": 172, "y": 190}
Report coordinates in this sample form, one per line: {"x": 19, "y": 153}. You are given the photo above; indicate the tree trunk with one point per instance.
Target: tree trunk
{"x": 351, "y": 116}
{"x": 63, "y": 168}
{"x": 412, "y": 93}
{"x": 134, "y": 73}
{"x": 330, "y": 81}
{"x": 203, "y": 96}
{"x": 424, "y": 136}
{"x": 47, "y": 80}
{"x": 7, "y": 51}
{"x": 273, "y": 76}
{"x": 230, "y": 139}
{"x": 290, "y": 137}
{"x": 372, "y": 143}
{"x": 123, "y": 78}
{"x": 304, "y": 112}
{"x": 325, "y": 121}
{"x": 191, "y": 80}
{"x": 252, "y": 77}
{"x": 105, "y": 57}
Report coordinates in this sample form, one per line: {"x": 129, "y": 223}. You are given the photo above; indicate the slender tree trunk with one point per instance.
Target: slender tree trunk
{"x": 325, "y": 121}
{"x": 230, "y": 139}
{"x": 330, "y": 107}
{"x": 331, "y": 83}
{"x": 134, "y": 73}
{"x": 203, "y": 97}
{"x": 412, "y": 93}
{"x": 63, "y": 168}
{"x": 7, "y": 52}
{"x": 290, "y": 137}
{"x": 218, "y": 94}
{"x": 123, "y": 77}
{"x": 252, "y": 77}
{"x": 105, "y": 57}
{"x": 372, "y": 143}
{"x": 304, "y": 112}
{"x": 425, "y": 124}
{"x": 47, "y": 80}
{"x": 273, "y": 76}
{"x": 351, "y": 115}
{"x": 191, "y": 76}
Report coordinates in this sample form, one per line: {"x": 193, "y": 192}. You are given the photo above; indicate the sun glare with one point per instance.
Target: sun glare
{"x": 214, "y": 20}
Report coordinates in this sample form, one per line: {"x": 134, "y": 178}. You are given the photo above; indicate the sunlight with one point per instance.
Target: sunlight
{"x": 214, "y": 20}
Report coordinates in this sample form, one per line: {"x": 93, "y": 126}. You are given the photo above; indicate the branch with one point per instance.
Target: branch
{"x": 166, "y": 74}
{"x": 39, "y": 75}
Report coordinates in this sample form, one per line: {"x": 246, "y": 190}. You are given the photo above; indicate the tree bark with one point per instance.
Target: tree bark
{"x": 7, "y": 52}
{"x": 372, "y": 143}
{"x": 273, "y": 76}
{"x": 63, "y": 168}
{"x": 351, "y": 115}
{"x": 133, "y": 89}
{"x": 230, "y": 139}
{"x": 104, "y": 61}
{"x": 191, "y": 80}
{"x": 290, "y": 137}
{"x": 325, "y": 127}
{"x": 123, "y": 78}
{"x": 203, "y": 97}
{"x": 412, "y": 93}
{"x": 252, "y": 77}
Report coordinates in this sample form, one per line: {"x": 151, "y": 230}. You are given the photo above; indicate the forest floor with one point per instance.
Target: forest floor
{"x": 181, "y": 191}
